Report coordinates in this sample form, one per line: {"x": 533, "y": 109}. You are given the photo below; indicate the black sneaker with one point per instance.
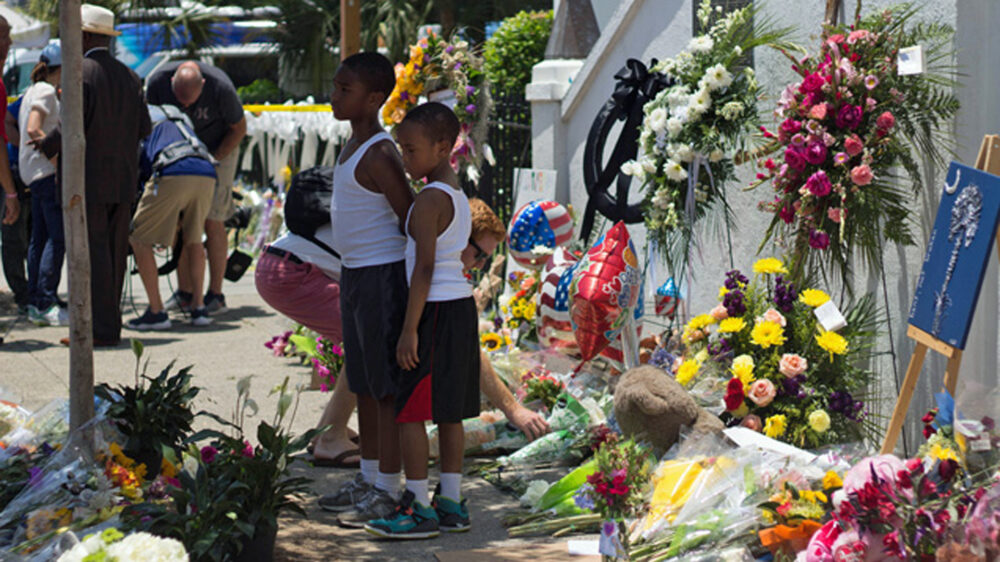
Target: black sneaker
{"x": 180, "y": 300}
{"x": 215, "y": 302}
{"x": 150, "y": 321}
{"x": 199, "y": 317}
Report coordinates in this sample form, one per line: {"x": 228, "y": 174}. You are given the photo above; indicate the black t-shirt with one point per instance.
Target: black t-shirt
{"x": 216, "y": 110}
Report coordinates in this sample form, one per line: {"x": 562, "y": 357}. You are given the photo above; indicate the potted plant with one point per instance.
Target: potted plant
{"x": 231, "y": 493}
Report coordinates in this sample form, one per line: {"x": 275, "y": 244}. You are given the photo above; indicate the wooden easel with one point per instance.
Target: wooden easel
{"x": 987, "y": 161}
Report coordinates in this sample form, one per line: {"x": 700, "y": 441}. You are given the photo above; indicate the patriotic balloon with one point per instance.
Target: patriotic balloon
{"x": 667, "y": 297}
{"x": 554, "y": 327}
{"x": 604, "y": 291}
{"x": 542, "y": 225}
{"x": 614, "y": 353}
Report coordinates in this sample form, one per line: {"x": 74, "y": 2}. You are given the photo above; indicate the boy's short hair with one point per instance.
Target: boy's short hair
{"x": 437, "y": 120}
{"x": 485, "y": 221}
{"x": 374, "y": 70}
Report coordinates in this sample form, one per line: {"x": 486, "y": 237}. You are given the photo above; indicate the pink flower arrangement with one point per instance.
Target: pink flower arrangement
{"x": 762, "y": 392}
{"x": 839, "y": 133}
{"x": 792, "y": 365}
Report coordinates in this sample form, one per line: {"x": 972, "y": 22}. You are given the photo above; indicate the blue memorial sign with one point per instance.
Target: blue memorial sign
{"x": 957, "y": 253}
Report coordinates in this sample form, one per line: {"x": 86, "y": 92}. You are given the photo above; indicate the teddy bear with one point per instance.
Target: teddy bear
{"x": 651, "y": 407}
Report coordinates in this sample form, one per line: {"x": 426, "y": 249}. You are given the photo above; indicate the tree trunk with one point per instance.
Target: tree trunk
{"x": 446, "y": 13}
{"x": 81, "y": 344}
{"x": 350, "y": 27}
{"x": 832, "y": 12}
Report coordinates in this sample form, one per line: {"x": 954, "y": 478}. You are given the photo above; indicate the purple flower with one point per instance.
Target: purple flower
{"x": 735, "y": 279}
{"x": 582, "y": 497}
{"x": 471, "y": 108}
{"x": 849, "y": 117}
{"x": 784, "y": 294}
{"x": 733, "y": 301}
{"x": 795, "y": 158}
{"x": 458, "y": 66}
{"x": 841, "y": 158}
{"x": 403, "y": 96}
{"x": 208, "y": 453}
{"x": 469, "y": 90}
{"x": 819, "y": 240}
{"x": 661, "y": 358}
{"x": 720, "y": 348}
{"x": 818, "y": 184}
{"x": 816, "y": 153}
{"x": 449, "y": 49}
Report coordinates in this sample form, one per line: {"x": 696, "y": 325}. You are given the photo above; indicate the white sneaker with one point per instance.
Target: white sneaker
{"x": 56, "y": 316}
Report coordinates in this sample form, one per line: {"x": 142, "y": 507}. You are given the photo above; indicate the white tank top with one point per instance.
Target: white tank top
{"x": 365, "y": 228}
{"x": 448, "y": 282}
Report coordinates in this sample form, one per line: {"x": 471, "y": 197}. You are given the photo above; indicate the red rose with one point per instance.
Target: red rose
{"x": 795, "y": 158}
{"x": 849, "y": 116}
{"x": 819, "y": 240}
{"x": 734, "y": 394}
{"x": 787, "y": 214}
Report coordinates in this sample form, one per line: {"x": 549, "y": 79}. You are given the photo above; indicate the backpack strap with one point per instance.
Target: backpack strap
{"x": 190, "y": 146}
{"x": 312, "y": 238}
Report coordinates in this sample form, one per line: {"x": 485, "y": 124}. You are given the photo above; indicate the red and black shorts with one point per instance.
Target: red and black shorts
{"x": 445, "y": 385}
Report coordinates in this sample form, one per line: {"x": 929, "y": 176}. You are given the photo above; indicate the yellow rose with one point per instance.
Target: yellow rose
{"x": 819, "y": 421}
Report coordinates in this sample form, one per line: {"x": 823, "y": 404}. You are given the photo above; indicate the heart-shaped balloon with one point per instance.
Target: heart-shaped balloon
{"x": 536, "y": 229}
{"x": 604, "y": 291}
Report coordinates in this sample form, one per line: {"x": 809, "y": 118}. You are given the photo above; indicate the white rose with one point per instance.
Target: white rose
{"x": 681, "y": 152}
{"x": 674, "y": 126}
{"x": 629, "y": 168}
{"x": 674, "y": 170}
{"x": 657, "y": 120}
{"x": 648, "y": 165}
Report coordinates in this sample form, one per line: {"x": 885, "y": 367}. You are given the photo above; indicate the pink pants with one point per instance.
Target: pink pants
{"x": 301, "y": 292}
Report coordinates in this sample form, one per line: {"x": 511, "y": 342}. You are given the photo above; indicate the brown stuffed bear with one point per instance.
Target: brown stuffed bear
{"x": 651, "y": 407}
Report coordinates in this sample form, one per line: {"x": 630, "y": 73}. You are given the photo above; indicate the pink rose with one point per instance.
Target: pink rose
{"x": 792, "y": 365}
{"x": 853, "y": 145}
{"x": 762, "y": 392}
{"x": 818, "y": 111}
{"x": 752, "y": 422}
{"x": 836, "y": 214}
{"x": 818, "y": 184}
{"x": 795, "y": 158}
{"x": 886, "y": 120}
{"x": 816, "y": 153}
{"x": 861, "y": 175}
{"x": 857, "y": 35}
{"x": 849, "y": 116}
{"x": 719, "y": 313}
{"x": 773, "y": 315}
{"x": 834, "y": 39}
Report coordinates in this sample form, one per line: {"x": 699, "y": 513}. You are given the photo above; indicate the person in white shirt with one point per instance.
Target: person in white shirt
{"x": 38, "y": 116}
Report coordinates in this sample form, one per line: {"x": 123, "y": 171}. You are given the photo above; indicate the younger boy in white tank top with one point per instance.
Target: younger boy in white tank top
{"x": 438, "y": 348}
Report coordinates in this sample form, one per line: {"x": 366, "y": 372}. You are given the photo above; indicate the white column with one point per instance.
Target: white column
{"x": 550, "y": 80}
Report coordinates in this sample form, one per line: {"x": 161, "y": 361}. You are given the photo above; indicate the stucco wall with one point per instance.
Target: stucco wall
{"x": 645, "y": 29}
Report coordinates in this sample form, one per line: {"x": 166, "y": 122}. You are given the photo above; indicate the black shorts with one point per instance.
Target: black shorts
{"x": 445, "y": 385}
{"x": 372, "y": 307}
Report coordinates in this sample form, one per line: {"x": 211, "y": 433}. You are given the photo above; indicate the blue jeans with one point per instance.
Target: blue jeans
{"x": 47, "y": 247}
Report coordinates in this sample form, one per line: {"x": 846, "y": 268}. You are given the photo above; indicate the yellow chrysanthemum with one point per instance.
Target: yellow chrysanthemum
{"x": 832, "y": 480}
{"x": 490, "y": 341}
{"x": 819, "y": 421}
{"x": 687, "y": 372}
{"x": 769, "y": 266}
{"x": 942, "y": 453}
{"x": 732, "y": 325}
{"x": 529, "y": 311}
{"x": 775, "y": 426}
{"x": 766, "y": 334}
{"x": 832, "y": 342}
{"x": 723, "y": 291}
{"x": 813, "y": 297}
{"x": 743, "y": 369}
{"x": 701, "y": 321}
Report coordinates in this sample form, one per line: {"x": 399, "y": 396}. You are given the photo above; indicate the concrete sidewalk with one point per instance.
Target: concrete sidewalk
{"x": 34, "y": 367}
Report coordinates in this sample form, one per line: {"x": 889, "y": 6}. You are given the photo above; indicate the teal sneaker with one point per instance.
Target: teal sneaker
{"x": 453, "y": 516}
{"x": 411, "y": 520}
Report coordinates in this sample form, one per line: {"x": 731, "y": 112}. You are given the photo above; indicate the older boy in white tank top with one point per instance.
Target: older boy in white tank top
{"x": 438, "y": 347}
{"x": 370, "y": 198}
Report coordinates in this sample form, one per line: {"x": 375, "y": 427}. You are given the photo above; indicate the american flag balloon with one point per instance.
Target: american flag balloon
{"x": 554, "y": 327}
{"x": 604, "y": 291}
{"x": 667, "y": 297}
{"x": 537, "y": 224}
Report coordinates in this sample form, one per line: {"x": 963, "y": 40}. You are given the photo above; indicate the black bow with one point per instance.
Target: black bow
{"x": 636, "y": 84}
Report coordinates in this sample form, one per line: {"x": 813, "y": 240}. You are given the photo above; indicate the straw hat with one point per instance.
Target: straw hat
{"x": 96, "y": 19}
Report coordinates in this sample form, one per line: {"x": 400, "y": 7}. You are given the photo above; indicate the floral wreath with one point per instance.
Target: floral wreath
{"x": 452, "y": 73}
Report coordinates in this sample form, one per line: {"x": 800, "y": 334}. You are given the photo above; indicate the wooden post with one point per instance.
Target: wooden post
{"x": 350, "y": 27}
{"x": 81, "y": 344}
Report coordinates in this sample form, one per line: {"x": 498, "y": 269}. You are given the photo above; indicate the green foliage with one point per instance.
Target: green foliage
{"x": 192, "y": 28}
{"x": 259, "y": 91}
{"x": 517, "y": 45}
{"x": 152, "y": 417}
{"x": 394, "y": 23}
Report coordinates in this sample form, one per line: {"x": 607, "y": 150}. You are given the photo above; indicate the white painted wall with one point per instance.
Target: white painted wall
{"x": 645, "y": 29}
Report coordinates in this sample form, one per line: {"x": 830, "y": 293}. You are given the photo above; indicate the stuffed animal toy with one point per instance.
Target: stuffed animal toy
{"x": 651, "y": 407}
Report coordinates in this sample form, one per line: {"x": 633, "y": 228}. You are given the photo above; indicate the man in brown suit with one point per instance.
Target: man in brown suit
{"x": 115, "y": 120}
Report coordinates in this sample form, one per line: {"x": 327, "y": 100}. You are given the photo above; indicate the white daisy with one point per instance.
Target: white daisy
{"x": 701, "y": 44}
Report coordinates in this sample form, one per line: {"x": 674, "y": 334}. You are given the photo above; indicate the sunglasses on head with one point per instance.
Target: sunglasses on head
{"x": 481, "y": 255}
